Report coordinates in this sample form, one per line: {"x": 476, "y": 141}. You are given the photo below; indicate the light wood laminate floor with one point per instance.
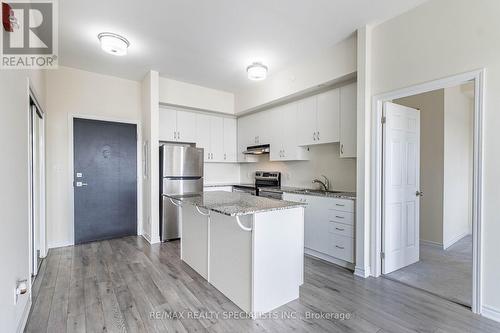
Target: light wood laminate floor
{"x": 447, "y": 273}
{"x": 115, "y": 285}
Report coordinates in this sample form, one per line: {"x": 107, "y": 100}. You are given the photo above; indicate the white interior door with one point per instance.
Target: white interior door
{"x": 401, "y": 181}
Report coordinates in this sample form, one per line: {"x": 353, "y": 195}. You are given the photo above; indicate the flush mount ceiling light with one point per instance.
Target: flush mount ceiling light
{"x": 257, "y": 71}
{"x": 113, "y": 43}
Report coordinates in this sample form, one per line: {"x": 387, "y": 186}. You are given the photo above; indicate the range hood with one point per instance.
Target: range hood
{"x": 257, "y": 150}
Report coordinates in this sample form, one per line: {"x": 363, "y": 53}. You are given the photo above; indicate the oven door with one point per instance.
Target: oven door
{"x": 269, "y": 194}
{"x": 242, "y": 189}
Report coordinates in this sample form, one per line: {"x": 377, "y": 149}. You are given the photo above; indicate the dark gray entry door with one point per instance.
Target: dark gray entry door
{"x": 105, "y": 179}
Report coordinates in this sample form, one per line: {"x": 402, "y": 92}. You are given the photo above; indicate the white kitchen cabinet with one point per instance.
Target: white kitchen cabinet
{"x": 328, "y": 113}
{"x": 348, "y": 124}
{"x": 307, "y": 120}
{"x": 318, "y": 118}
{"x": 217, "y": 139}
{"x": 186, "y": 126}
{"x": 246, "y": 137}
{"x": 203, "y": 134}
{"x": 283, "y": 142}
{"x": 177, "y": 126}
{"x": 167, "y": 130}
{"x": 230, "y": 139}
{"x": 217, "y": 136}
{"x": 328, "y": 227}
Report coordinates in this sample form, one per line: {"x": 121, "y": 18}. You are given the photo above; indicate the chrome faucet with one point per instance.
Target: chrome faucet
{"x": 325, "y": 184}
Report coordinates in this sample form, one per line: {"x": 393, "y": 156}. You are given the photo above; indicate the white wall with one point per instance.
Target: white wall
{"x": 76, "y": 92}
{"x": 193, "y": 96}
{"x": 458, "y": 154}
{"x": 14, "y": 197}
{"x": 431, "y": 106}
{"x": 333, "y": 63}
{"x": 222, "y": 173}
{"x": 438, "y": 39}
{"x": 324, "y": 160}
{"x": 150, "y": 158}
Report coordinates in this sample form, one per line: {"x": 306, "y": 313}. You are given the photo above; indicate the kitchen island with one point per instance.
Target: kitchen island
{"x": 249, "y": 248}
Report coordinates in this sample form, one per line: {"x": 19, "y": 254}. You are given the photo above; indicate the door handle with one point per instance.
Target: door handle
{"x": 419, "y": 194}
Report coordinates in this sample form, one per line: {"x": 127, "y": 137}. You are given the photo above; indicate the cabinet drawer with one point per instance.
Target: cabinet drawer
{"x": 340, "y": 216}
{"x": 344, "y": 205}
{"x": 341, "y": 229}
{"x": 342, "y": 247}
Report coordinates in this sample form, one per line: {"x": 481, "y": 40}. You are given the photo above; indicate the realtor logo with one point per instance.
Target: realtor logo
{"x": 29, "y": 34}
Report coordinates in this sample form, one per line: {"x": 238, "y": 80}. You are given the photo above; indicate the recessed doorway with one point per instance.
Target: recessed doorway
{"x": 427, "y": 188}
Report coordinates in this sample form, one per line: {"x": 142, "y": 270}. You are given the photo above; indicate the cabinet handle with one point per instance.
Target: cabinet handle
{"x": 317, "y": 136}
{"x": 339, "y": 229}
{"x": 175, "y": 135}
{"x": 178, "y": 135}
{"x": 342, "y": 149}
{"x": 340, "y": 205}
{"x": 314, "y": 136}
{"x": 224, "y": 156}
{"x": 339, "y": 217}
{"x": 339, "y": 247}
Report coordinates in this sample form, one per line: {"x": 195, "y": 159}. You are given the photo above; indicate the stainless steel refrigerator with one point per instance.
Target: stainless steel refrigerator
{"x": 181, "y": 172}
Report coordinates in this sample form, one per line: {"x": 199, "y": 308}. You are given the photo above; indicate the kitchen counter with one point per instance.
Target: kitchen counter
{"x": 300, "y": 190}
{"x": 233, "y": 203}
{"x": 250, "y": 248}
{"x": 227, "y": 184}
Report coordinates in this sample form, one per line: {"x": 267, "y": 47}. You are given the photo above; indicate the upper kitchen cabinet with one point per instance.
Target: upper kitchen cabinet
{"x": 284, "y": 144}
{"x": 348, "y": 125}
{"x": 217, "y": 136}
{"x": 178, "y": 126}
{"x": 230, "y": 146}
{"x": 247, "y": 136}
{"x": 318, "y": 118}
{"x": 167, "y": 125}
{"x": 328, "y": 117}
{"x": 307, "y": 120}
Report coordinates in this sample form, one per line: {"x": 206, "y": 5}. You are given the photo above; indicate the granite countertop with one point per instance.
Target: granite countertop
{"x": 300, "y": 190}
{"x": 233, "y": 203}
{"x": 227, "y": 184}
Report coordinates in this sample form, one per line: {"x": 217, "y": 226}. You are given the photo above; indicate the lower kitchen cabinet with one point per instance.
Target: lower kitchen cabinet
{"x": 329, "y": 231}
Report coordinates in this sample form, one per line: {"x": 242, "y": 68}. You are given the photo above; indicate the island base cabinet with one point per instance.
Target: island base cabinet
{"x": 262, "y": 269}
{"x": 194, "y": 239}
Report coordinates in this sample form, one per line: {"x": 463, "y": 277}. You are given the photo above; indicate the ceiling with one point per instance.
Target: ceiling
{"x": 210, "y": 42}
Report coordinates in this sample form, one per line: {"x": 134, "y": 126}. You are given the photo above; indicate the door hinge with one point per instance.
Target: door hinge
{"x": 382, "y": 255}
{"x": 383, "y": 120}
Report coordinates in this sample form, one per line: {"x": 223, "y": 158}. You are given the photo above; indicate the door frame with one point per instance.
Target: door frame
{"x": 32, "y": 96}
{"x": 139, "y": 177}
{"x": 376, "y": 213}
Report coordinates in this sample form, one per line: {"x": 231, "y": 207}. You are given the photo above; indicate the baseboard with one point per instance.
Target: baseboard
{"x": 24, "y": 318}
{"x": 53, "y": 245}
{"x": 431, "y": 243}
{"x": 362, "y": 272}
{"x": 328, "y": 258}
{"x": 455, "y": 239}
{"x": 146, "y": 237}
{"x": 490, "y": 313}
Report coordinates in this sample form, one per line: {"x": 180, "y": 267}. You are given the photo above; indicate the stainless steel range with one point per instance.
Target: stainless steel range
{"x": 263, "y": 179}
